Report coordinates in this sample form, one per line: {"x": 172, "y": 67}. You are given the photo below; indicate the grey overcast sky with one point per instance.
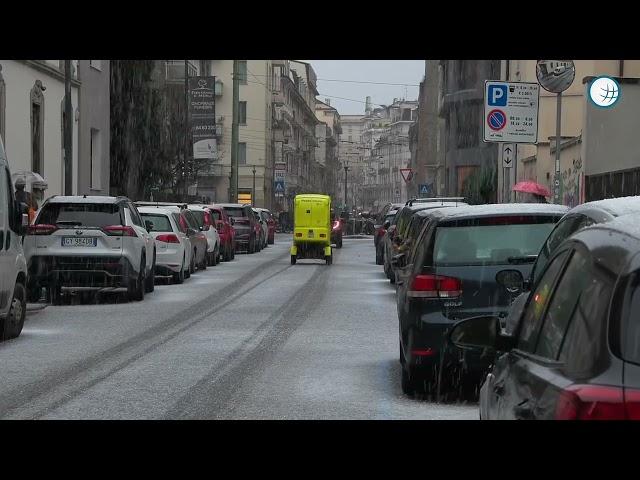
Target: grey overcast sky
{"x": 389, "y": 71}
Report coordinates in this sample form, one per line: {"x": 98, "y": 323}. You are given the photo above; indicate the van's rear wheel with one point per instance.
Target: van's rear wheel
{"x": 328, "y": 259}
{"x": 14, "y": 320}
{"x": 293, "y": 259}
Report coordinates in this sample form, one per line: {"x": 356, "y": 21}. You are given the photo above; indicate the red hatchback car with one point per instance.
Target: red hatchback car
{"x": 224, "y": 224}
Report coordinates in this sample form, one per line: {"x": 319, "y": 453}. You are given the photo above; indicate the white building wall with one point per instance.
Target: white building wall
{"x": 19, "y": 80}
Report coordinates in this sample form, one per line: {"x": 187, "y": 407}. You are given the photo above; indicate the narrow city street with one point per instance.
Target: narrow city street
{"x": 255, "y": 338}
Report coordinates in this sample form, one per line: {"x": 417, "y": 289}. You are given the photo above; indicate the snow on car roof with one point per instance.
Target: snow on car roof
{"x": 628, "y": 223}
{"x": 615, "y": 206}
{"x": 84, "y": 199}
{"x": 502, "y": 209}
{"x": 166, "y": 210}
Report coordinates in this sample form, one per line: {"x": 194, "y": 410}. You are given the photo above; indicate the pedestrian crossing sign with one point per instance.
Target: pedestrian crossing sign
{"x": 425, "y": 189}
{"x": 279, "y": 186}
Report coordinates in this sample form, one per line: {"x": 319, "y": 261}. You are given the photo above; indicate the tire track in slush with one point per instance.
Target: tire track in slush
{"x": 69, "y": 383}
{"x": 210, "y": 397}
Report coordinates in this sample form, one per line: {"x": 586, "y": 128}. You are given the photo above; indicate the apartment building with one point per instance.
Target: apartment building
{"x": 32, "y": 124}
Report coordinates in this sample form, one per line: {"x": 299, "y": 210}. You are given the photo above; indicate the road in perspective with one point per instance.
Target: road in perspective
{"x": 255, "y": 338}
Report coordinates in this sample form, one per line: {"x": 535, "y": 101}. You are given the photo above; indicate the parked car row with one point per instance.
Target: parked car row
{"x": 82, "y": 244}
{"x": 534, "y": 303}
{"x": 570, "y": 346}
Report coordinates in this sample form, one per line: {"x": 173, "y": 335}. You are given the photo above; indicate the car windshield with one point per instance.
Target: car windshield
{"x": 199, "y": 216}
{"x": 236, "y": 212}
{"x": 80, "y": 214}
{"x": 484, "y": 243}
{"x": 161, "y": 223}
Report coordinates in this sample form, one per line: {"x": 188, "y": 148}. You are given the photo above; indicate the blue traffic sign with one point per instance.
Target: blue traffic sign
{"x": 497, "y": 96}
{"x": 278, "y": 186}
{"x": 425, "y": 188}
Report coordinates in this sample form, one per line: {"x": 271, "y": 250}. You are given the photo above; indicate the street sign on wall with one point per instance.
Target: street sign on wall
{"x": 511, "y": 112}
{"x": 202, "y": 111}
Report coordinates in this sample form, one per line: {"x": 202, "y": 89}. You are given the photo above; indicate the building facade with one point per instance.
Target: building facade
{"x": 329, "y": 116}
{"x": 537, "y": 162}
{"x": 294, "y": 129}
{"x": 31, "y": 122}
{"x": 94, "y": 128}
{"x": 461, "y": 108}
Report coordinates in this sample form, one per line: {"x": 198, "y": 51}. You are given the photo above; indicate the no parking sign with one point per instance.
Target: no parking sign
{"x": 511, "y": 112}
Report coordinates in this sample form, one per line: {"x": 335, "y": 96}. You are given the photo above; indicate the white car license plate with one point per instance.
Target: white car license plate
{"x": 79, "y": 242}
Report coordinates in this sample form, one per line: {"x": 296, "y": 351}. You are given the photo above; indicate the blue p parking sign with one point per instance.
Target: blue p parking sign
{"x": 497, "y": 96}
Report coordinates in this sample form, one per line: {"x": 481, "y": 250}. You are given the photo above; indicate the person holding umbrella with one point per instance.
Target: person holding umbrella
{"x": 531, "y": 192}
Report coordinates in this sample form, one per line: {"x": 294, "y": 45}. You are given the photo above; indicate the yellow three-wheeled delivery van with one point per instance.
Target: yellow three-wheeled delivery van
{"x": 311, "y": 228}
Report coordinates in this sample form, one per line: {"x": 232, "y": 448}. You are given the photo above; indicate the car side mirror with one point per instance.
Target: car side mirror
{"x": 386, "y": 225}
{"x": 148, "y": 225}
{"x": 480, "y": 333}
{"x": 515, "y": 313}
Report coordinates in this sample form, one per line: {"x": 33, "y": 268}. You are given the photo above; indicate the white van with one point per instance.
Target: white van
{"x": 13, "y": 267}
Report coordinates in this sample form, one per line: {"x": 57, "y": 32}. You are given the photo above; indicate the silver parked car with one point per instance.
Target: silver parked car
{"x": 87, "y": 243}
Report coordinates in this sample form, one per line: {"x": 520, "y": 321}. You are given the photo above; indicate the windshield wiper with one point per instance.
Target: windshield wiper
{"x": 522, "y": 259}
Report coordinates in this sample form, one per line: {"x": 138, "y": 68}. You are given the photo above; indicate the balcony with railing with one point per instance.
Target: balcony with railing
{"x": 174, "y": 70}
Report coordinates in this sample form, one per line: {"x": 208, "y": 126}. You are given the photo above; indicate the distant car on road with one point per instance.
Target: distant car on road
{"x": 452, "y": 273}
{"x": 227, "y": 233}
{"x": 244, "y": 224}
{"x": 89, "y": 243}
{"x": 262, "y": 221}
{"x": 267, "y": 216}
{"x": 404, "y": 235}
{"x": 575, "y": 352}
{"x": 203, "y": 216}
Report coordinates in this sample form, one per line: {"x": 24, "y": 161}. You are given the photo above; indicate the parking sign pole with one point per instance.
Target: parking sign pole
{"x": 556, "y": 181}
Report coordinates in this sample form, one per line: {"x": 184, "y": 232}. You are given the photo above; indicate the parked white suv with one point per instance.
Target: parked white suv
{"x": 173, "y": 246}
{"x": 13, "y": 268}
{"x": 85, "y": 243}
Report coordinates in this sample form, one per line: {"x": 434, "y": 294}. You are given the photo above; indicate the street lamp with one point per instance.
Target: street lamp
{"x": 253, "y": 190}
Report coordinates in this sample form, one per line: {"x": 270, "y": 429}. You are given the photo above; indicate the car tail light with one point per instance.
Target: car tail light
{"x": 168, "y": 238}
{"x": 435, "y": 286}
{"x": 42, "y": 229}
{"x": 119, "y": 231}
{"x": 598, "y": 402}
{"x": 427, "y": 352}
{"x": 207, "y": 218}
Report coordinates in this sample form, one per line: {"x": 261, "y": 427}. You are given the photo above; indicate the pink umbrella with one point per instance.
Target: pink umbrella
{"x": 529, "y": 186}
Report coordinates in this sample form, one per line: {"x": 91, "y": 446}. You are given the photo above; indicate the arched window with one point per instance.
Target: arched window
{"x": 37, "y": 128}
